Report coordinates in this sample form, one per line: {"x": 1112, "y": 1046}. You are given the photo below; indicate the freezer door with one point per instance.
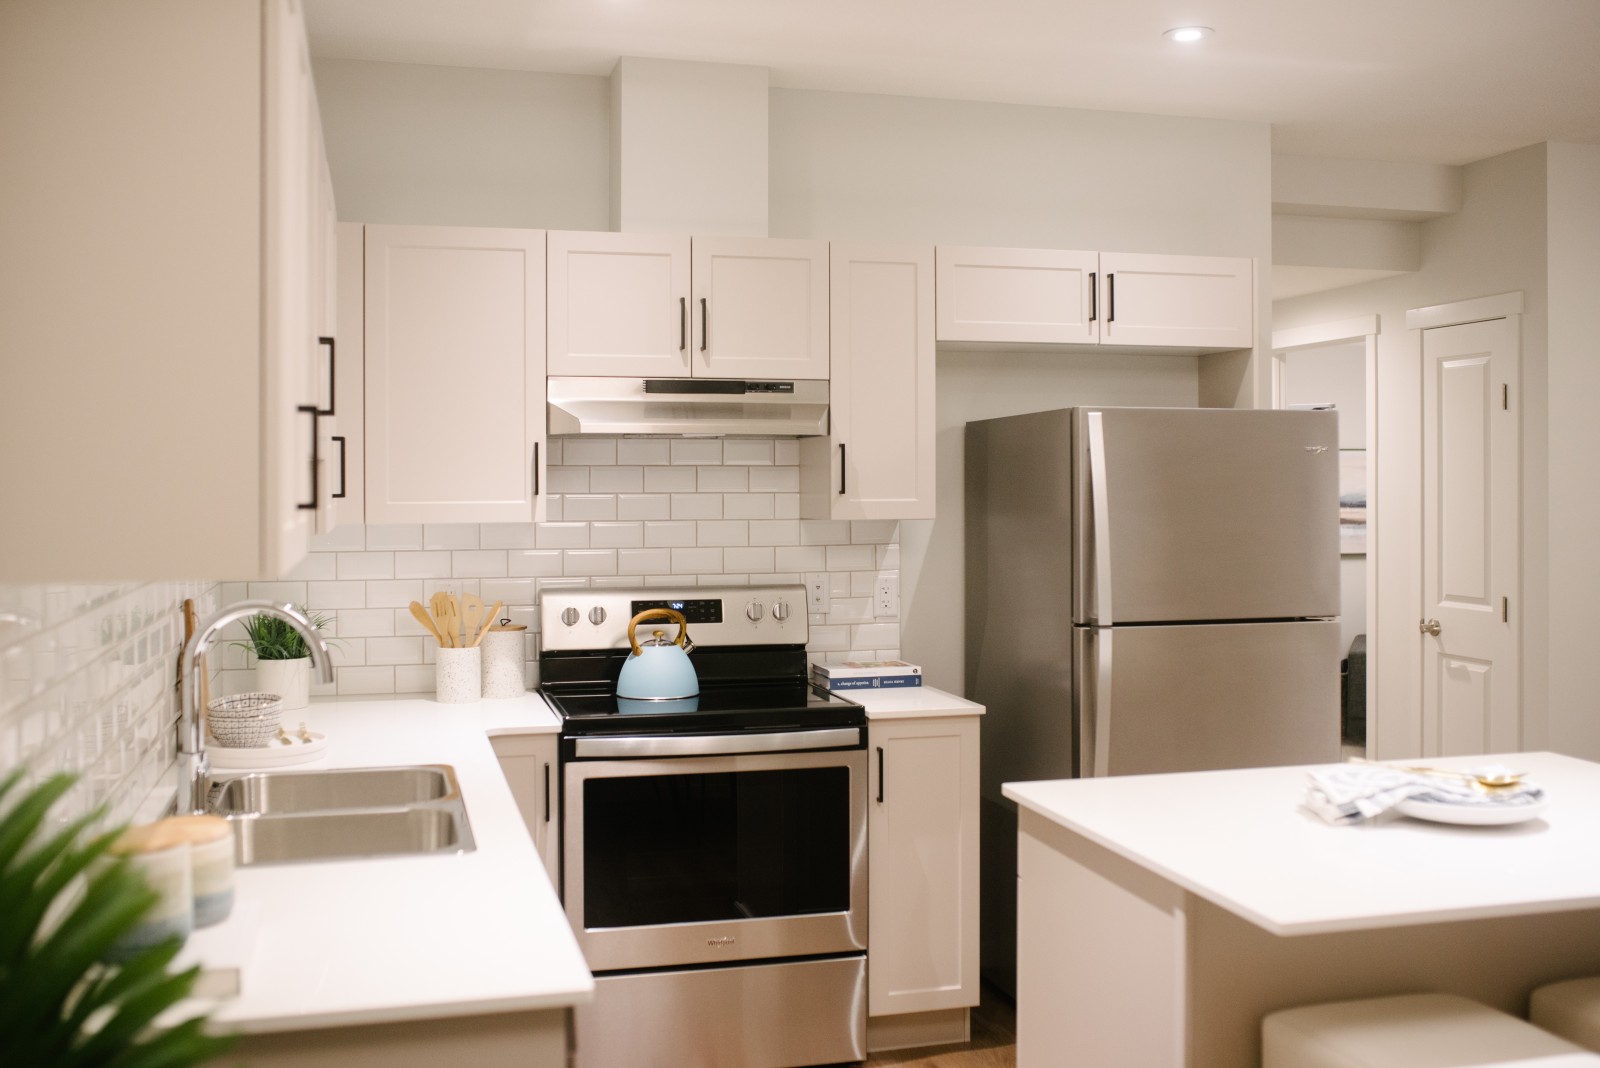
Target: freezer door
{"x": 1194, "y": 698}
{"x": 1205, "y": 514}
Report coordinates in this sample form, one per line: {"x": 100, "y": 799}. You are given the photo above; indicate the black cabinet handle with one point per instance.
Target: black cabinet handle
{"x": 841, "y": 469}
{"x": 880, "y": 774}
{"x": 1094, "y": 298}
{"x": 536, "y": 469}
{"x": 328, "y": 341}
{"x": 683, "y": 323}
{"x": 705, "y": 326}
{"x": 1111, "y": 298}
{"x": 547, "y": 793}
{"x": 343, "y": 478}
{"x": 313, "y": 411}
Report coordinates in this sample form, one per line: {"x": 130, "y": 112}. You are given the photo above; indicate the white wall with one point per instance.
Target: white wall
{"x": 1495, "y": 244}
{"x": 1573, "y": 440}
{"x": 846, "y": 165}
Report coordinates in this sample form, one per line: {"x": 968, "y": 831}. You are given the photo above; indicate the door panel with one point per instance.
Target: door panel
{"x": 1192, "y": 698}
{"x": 1211, "y": 515}
{"x": 619, "y": 304}
{"x": 759, "y": 308}
{"x": 1029, "y": 295}
{"x": 1470, "y": 490}
{"x": 1200, "y": 301}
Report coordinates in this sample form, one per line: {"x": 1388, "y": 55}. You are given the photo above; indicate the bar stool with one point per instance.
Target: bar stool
{"x": 1412, "y": 1031}
{"x": 1570, "y": 1009}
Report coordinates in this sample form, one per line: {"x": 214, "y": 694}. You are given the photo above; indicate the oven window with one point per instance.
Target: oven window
{"x": 732, "y": 845}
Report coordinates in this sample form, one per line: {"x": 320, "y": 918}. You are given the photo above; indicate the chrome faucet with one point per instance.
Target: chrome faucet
{"x": 194, "y": 767}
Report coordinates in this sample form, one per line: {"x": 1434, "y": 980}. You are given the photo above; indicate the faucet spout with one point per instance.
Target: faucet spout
{"x": 194, "y": 767}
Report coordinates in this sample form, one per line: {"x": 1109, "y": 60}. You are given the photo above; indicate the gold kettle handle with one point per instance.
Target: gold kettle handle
{"x": 669, "y": 614}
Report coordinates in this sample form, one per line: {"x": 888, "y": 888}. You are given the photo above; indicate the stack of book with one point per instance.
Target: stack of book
{"x": 866, "y": 675}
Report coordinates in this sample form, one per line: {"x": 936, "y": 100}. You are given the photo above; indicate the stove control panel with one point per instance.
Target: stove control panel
{"x": 575, "y": 620}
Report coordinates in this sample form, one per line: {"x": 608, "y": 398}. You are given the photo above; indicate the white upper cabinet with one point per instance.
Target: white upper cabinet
{"x": 663, "y": 306}
{"x": 455, "y": 370}
{"x": 1029, "y": 295}
{"x": 999, "y": 296}
{"x": 619, "y": 304}
{"x": 760, "y": 308}
{"x": 347, "y": 454}
{"x": 1204, "y": 302}
{"x": 877, "y": 461}
{"x": 162, "y": 290}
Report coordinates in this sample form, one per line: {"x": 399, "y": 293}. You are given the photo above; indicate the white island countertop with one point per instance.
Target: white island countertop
{"x": 1240, "y": 840}
{"x": 383, "y": 939}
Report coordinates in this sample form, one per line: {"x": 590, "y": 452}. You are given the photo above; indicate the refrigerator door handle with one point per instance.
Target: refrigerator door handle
{"x": 1098, "y": 499}
{"x": 1102, "y": 702}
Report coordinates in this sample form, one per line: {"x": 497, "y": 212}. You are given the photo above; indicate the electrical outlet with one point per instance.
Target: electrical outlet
{"x": 886, "y": 596}
{"x": 818, "y": 596}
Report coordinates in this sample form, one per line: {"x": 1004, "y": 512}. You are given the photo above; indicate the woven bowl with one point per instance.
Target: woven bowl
{"x": 245, "y": 720}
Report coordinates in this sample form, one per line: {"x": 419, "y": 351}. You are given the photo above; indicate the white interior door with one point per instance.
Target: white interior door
{"x": 1470, "y": 483}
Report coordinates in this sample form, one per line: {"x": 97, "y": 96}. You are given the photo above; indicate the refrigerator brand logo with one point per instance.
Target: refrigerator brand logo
{"x": 1316, "y": 448}
{"x": 725, "y": 940}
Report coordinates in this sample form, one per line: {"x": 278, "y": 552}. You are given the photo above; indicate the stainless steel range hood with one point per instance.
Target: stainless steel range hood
{"x": 693, "y": 406}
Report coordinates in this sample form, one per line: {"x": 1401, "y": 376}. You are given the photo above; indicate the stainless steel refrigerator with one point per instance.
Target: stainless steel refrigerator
{"x": 1147, "y": 590}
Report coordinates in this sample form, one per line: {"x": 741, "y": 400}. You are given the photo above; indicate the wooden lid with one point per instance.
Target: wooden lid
{"x": 514, "y": 626}
{"x": 170, "y": 832}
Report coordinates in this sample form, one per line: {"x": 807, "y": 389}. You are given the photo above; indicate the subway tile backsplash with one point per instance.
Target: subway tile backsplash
{"x": 623, "y": 512}
{"x": 88, "y": 685}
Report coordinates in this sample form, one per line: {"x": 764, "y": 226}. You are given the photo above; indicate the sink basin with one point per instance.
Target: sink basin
{"x": 350, "y": 834}
{"x": 272, "y": 793}
{"x": 283, "y": 817}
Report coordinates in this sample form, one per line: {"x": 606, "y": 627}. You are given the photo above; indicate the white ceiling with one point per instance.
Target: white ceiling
{"x": 1440, "y": 81}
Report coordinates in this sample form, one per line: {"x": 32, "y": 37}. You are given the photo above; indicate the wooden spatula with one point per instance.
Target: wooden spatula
{"x": 471, "y": 616}
{"x": 488, "y": 621}
{"x": 421, "y": 615}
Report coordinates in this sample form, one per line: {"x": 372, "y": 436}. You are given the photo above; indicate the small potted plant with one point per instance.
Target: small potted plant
{"x": 68, "y": 906}
{"x": 283, "y": 663}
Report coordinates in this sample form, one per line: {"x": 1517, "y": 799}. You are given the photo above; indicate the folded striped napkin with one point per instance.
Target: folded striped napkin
{"x": 1351, "y": 793}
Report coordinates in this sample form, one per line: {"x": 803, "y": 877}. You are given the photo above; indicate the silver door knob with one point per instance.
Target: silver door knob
{"x": 752, "y": 611}
{"x": 1429, "y": 626}
{"x": 569, "y": 616}
{"x": 780, "y": 610}
{"x": 597, "y": 615}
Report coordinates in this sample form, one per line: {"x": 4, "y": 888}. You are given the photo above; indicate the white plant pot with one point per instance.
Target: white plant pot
{"x": 289, "y": 679}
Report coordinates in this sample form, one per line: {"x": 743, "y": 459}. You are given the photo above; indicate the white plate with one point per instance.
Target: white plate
{"x": 275, "y": 755}
{"x": 1481, "y": 815}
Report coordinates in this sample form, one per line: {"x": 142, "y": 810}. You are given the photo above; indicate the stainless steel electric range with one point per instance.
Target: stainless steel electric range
{"x": 714, "y": 862}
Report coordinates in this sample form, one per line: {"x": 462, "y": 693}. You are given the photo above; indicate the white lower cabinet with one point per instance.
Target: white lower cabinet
{"x": 922, "y": 841}
{"x": 528, "y": 762}
{"x": 455, "y": 375}
{"x": 877, "y": 460}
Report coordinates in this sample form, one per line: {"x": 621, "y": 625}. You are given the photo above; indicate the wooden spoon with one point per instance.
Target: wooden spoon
{"x": 494, "y": 613}
{"x": 421, "y": 615}
{"x": 471, "y": 616}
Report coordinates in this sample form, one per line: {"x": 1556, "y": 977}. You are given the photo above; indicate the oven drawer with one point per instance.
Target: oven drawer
{"x": 706, "y": 860}
{"x": 752, "y": 1016}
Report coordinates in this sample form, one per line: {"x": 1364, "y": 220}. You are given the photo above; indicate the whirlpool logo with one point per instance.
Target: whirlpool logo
{"x": 725, "y": 940}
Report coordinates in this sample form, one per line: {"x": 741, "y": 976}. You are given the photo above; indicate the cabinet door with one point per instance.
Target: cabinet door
{"x": 1027, "y": 295}
{"x": 348, "y": 455}
{"x": 455, "y": 370}
{"x": 291, "y": 431}
{"x": 922, "y": 841}
{"x": 878, "y": 460}
{"x": 528, "y": 762}
{"x": 760, "y": 308}
{"x": 1205, "y": 302}
{"x": 619, "y": 305}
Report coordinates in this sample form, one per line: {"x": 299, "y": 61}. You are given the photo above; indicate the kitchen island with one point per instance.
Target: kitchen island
{"x": 412, "y": 959}
{"x": 1161, "y": 916}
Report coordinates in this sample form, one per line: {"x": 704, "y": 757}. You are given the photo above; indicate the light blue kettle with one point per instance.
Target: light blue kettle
{"x": 658, "y": 671}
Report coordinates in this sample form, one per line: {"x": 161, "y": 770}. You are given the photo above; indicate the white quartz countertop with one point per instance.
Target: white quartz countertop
{"x": 334, "y": 943}
{"x": 1241, "y": 840}
{"x": 911, "y": 702}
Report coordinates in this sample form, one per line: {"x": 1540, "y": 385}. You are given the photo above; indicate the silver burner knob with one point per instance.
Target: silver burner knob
{"x": 597, "y": 615}
{"x": 752, "y": 611}
{"x": 780, "y": 610}
{"x": 569, "y": 616}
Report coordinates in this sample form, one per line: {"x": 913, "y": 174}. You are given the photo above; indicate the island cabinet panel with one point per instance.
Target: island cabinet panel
{"x": 455, "y": 375}
{"x": 877, "y": 460}
{"x": 922, "y": 832}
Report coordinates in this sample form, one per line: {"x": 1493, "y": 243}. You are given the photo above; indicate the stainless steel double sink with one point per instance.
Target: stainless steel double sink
{"x": 285, "y": 817}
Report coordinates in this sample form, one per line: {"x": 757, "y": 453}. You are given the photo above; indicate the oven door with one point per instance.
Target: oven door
{"x": 690, "y": 859}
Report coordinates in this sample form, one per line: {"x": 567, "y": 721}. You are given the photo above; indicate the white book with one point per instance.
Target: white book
{"x": 861, "y": 669}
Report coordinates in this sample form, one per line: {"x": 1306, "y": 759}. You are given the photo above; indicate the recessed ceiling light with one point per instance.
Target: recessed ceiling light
{"x": 1188, "y": 34}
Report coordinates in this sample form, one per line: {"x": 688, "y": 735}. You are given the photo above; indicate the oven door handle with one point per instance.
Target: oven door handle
{"x": 670, "y": 745}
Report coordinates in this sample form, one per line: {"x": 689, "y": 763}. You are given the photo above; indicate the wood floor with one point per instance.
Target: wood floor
{"x": 993, "y": 1045}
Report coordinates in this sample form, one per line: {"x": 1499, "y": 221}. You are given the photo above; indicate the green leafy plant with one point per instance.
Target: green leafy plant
{"x": 271, "y": 638}
{"x": 60, "y": 1004}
